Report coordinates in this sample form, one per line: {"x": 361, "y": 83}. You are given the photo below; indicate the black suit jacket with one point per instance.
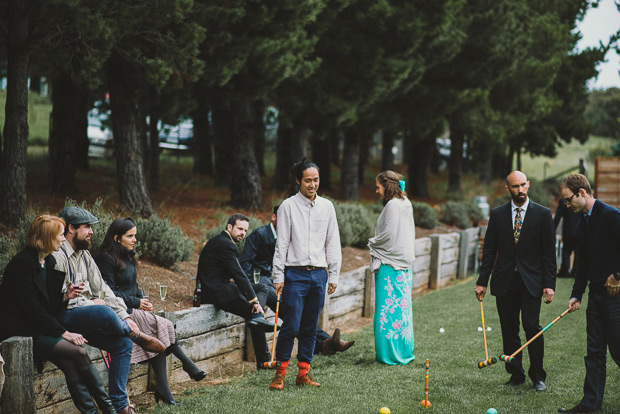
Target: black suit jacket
{"x": 534, "y": 256}
{"x": 258, "y": 252}
{"x": 28, "y": 303}
{"x": 218, "y": 263}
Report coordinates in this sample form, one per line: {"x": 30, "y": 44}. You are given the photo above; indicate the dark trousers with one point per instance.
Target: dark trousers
{"x": 301, "y": 303}
{"x": 519, "y": 301}
{"x": 241, "y": 307}
{"x": 272, "y": 301}
{"x": 568, "y": 246}
{"x": 603, "y": 327}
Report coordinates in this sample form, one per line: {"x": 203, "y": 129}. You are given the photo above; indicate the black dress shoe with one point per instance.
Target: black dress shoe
{"x": 258, "y": 320}
{"x": 513, "y": 382}
{"x": 578, "y": 409}
{"x": 540, "y": 386}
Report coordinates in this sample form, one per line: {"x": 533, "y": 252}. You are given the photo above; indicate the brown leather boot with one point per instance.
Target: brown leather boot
{"x": 148, "y": 343}
{"x": 278, "y": 382}
{"x": 306, "y": 379}
{"x": 330, "y": 346}
{"x": 344, "y": 345}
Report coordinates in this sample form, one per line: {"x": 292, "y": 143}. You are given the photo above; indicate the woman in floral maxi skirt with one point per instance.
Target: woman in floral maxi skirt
{"x": 392, "y": 255}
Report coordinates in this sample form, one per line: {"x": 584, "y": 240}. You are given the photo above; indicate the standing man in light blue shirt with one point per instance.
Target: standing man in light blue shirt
{"x": 307, "y": 258}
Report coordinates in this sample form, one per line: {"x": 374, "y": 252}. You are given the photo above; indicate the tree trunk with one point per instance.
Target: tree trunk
{"x": 35, "y": 84}
{"x": 366, "y": 135}
{"x": 455, "y": 161}
{"x": 13, "y": 164}
{"x": 245, "y": 186}
{"x": 291, "y": 148}
{"x": 202, "y": 149}
{"x": 321, "y": 156}
{"x": 419, "y": 157}
{"x": 69, "y": 115}
{"x": 387, "y": 156}
{"x": 134, "y": 196}
{"x": 334, "y": 142}
{"x": 349, "y": 188}
{"x": 154, "y": 150}
{"x": 258, "y": 110}
{"x": 223, "y": 130}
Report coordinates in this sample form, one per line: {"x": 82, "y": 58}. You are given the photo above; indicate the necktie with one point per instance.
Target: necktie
{"x": 518, "y": 224}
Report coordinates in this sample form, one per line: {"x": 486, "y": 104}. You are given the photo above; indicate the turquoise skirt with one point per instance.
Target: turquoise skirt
{"x": 393, "y": 316}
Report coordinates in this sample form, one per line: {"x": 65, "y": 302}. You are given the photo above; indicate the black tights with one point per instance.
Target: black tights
{"x": 70, "y": 358}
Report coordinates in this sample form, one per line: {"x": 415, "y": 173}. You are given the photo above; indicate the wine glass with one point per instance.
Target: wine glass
{"x": 102, "y": 294}
{"x": 256, "y": 275}
{"x": 145, "y": 287}
{"x": 163, "y": 290}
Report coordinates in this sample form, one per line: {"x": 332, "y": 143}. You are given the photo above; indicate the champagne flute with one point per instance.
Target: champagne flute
{"x": 163, "y": 290}
{"x": 102, "y": 294}
{"x": 145, "y": 293}
{"x": 256, "y": 275}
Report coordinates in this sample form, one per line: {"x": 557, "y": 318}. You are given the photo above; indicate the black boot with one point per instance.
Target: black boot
{"x": 81, "y": 397}
{"x": 158, "y": 362}
{"x": 192, "y": 369}
{"x": 97, "y": 389}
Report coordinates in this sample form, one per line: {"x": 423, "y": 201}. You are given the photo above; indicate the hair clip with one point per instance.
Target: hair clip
{"x": 401, "y": 185}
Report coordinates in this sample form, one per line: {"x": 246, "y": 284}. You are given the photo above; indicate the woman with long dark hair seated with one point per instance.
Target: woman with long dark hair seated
{"x": 30, "y": 296}
{"x": 117, "y": 264}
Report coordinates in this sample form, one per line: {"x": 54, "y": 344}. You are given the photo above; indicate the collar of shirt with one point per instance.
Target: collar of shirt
{"x": 300, "y": 198}
{"x": 523, "y": 209}
{"x": 273, "y": 230}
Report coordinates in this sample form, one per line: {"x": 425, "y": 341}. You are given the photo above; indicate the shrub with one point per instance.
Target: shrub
{"x": 425, "y": 215}
{"x": 15, "y": 242}
{"x": 163, "y": 243}
{"x": 355, "y": 223}
{"x": 456, "y": 213}
{"x": 474, "y": 212}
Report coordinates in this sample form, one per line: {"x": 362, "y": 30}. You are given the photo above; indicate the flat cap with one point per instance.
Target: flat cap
{"x": 76, "y": 215}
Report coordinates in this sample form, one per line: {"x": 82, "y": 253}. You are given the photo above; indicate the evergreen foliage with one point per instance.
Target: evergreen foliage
{"x": 161, "y": 242}
{"x": 424, "y": 215}
{"x": 255, "y": 223}
{"x": 355, "y": 223}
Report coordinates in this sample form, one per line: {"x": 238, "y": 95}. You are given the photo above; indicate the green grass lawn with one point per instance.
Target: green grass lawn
{"x": 568, "y": 156}
{"x": 352, "y": 382}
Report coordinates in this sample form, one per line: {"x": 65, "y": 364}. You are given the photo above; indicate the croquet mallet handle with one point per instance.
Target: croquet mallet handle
{"x": 507, "y": 358}
{"x": 484, "y": 332}
{"x": 275, "y": 328}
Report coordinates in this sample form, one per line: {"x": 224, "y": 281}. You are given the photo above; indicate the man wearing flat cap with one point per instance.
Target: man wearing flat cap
{"x": 96, "y": 312}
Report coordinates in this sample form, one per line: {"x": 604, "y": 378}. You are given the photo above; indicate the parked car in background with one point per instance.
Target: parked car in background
{"x": 99, "y": 134}
{"x": 177, "y": 137}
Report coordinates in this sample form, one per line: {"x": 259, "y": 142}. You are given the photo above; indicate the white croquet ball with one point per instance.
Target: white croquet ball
{"x": 441, "y": 330}
{"x": 480, "y": 329}
{"x": 488, "y": 328}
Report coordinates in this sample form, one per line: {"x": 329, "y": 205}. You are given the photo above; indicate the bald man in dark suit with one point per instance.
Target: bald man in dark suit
{"x": 519, "y": 258}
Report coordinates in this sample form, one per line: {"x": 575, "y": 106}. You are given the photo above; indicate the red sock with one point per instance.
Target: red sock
{"x": 282, "y": 368}
{"x": 304, "y": 367}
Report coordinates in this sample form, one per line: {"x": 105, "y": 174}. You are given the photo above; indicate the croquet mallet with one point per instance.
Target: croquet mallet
{"x": 510, "y": 358}
{"x": 273, "y": 363}
{"x": 425, "y": 402}
{"x": 487, "y": 361}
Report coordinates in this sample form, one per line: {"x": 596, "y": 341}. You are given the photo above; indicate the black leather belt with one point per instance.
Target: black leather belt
{"x": 306, "y": 267}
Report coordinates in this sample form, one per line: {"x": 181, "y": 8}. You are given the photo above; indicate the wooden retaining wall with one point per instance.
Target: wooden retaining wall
{"x": 215, "y": 338}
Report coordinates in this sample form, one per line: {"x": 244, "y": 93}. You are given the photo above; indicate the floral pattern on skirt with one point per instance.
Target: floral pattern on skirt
{"x": 393, "y": 316}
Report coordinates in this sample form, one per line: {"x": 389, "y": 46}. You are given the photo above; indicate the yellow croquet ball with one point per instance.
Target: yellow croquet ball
{"x": 384, "y": 410}
{"x": 423, "y": 402}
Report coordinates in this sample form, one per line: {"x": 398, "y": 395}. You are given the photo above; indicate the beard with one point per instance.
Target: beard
{"x": 81, "y": 244}
{"x": 519, "y": 198}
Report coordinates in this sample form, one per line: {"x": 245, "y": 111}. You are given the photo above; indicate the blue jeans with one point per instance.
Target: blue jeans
{"x": 301, "y": 303}
{"x": 603, "y": 327}
{"x": 103, "y": 329}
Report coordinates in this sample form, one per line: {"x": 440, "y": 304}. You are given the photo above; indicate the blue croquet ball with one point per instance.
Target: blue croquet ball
{"x": 491, "y": 411}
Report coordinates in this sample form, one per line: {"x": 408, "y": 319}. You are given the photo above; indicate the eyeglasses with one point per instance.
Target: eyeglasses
{"x": 569, "y": 200}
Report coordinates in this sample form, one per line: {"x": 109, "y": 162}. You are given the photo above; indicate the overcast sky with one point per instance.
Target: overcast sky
{"x": 598, "y": 25}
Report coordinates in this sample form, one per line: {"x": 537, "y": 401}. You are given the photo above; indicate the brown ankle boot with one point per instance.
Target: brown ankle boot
{"x": 278, "y": 382}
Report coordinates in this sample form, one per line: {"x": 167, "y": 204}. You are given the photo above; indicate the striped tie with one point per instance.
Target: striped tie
{"x": 518, "y": 224}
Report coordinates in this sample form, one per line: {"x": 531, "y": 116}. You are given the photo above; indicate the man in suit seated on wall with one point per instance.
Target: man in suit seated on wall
{"x": 258, "y": 256}
{"x": 225, "y": 285}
